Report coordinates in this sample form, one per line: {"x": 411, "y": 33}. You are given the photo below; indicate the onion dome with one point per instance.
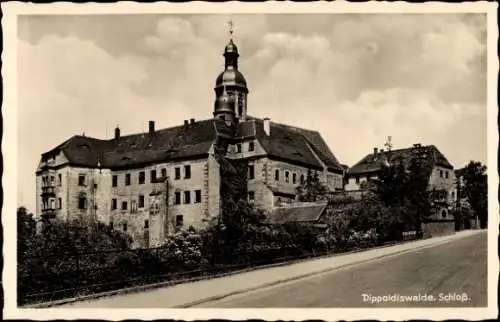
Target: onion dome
{"x": 231, "y": 76}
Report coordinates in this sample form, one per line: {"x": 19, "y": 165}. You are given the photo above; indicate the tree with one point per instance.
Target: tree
{"x": 417, "y": 185}
{"x": 391, "y": 184}
{"x": 239, "y": 228}
{"x": 311, "y": 189}
{"x": 476, "y": 189}
{"x": 26, "y": 231}
{"x": 403, "y": 192}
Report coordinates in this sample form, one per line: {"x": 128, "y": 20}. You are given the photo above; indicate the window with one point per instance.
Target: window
{"x": 133, "y": 206}
{"x": 52, "y": 204}
{"x": 125, "y": 227}
{"x": 251, "y": 196}
{"x": 60, "y": 179}
{"x": 440, "y": 173}
{"x": 177, "y": 173}
{"x": 179, "y": 220}
{"x": 238, "y": 147}
{"x": 146, "y": 224}
{"x": 142, "y": 177}
{"x": 177, "y": 198}
{"x": 153, "y": 175}
{"x": 115, "y": 181}
{"x": 294, "y": 178}
{"x": 301, "y": 178}
{"x": 443, "y": 213}
{"x": 187, "y": 197}
{"x": 82, "y": 203}
{"x": 446, "y": 174}
{"x": 81, "y": 180}
{"x": 197, "y": 196}
{"x": 114, "y": 204}
{"x": 251, "y": 172}
{"x": 251, "y": 146}
{"x": 287, "y": 176}
{"x": 453, "y": 195}
{"x": 124, "y": 205}
{"x": 52, "y": 179}
{"x": 127, "y": 179}
{"x": 163, "y": 172}
{"x": 59, "y": 203}
{"x": 95, "y": 185}
{"x": 111, "y": 225}
{"x": 141, "y": 201}
{"x": 277, "y": 175}
{"x": 357, "y": 180}
{"x": 187, "y": 172}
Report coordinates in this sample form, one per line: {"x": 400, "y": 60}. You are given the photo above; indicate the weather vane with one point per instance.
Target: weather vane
{"x": 231, "y": 30}
{"x": 388, "y": 144}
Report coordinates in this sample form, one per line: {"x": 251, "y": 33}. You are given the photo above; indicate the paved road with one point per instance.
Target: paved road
{"x": 455, "y": 263}
{"x": 445, "y": 271}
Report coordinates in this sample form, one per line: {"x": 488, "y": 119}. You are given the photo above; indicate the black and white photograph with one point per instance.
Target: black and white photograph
{"x": 169, "y": 157}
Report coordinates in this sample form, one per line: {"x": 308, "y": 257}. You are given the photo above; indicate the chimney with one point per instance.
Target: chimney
{"x": 191, "y": 121}
{"x": 186, "y": 124}
{"x": 151, "y": 126}
{"x": 375, "y": 152}
{"x": 267, "y": 126}
{"x": 117, "y": 133}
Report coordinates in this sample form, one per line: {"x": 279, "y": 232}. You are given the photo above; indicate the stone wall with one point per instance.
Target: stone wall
{"x": 438, "y": 228}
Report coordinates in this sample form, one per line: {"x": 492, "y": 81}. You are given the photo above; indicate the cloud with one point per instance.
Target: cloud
{"x": 354, "y": 78}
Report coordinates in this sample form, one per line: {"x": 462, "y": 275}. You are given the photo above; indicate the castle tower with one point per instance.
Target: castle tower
{"x": 224, "y": 108}
{"x": 232, "y": 80}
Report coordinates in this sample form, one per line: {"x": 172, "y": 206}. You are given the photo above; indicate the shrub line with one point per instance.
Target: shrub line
{"x": 139, "y": 288}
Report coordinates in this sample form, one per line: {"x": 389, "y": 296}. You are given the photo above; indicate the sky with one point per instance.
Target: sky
{"x": 355, "y": 78}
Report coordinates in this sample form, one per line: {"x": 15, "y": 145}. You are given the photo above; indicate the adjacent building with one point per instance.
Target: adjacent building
{"x": 154, "y": 183}
{"x": 442, "y": 181}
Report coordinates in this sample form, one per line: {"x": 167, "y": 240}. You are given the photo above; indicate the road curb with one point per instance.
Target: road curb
{"x": 298, "y": 277}
{"x": 138, "y": 289}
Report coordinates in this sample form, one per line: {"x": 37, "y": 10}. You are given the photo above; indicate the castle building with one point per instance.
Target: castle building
{"x": 152, "y": 184}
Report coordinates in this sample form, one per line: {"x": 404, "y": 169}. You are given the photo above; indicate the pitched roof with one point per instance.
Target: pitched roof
{"x": 167, "y": 144}
{"x": 373, "y": 164}
{"x": 297, "y": 213}
{"x": 195, "y": 139}
{"x": 292, "y": 143}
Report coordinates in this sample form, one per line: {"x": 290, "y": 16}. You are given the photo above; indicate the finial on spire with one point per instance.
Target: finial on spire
{"x": 388, "y": 144}
{"x": 231, "y": 30}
